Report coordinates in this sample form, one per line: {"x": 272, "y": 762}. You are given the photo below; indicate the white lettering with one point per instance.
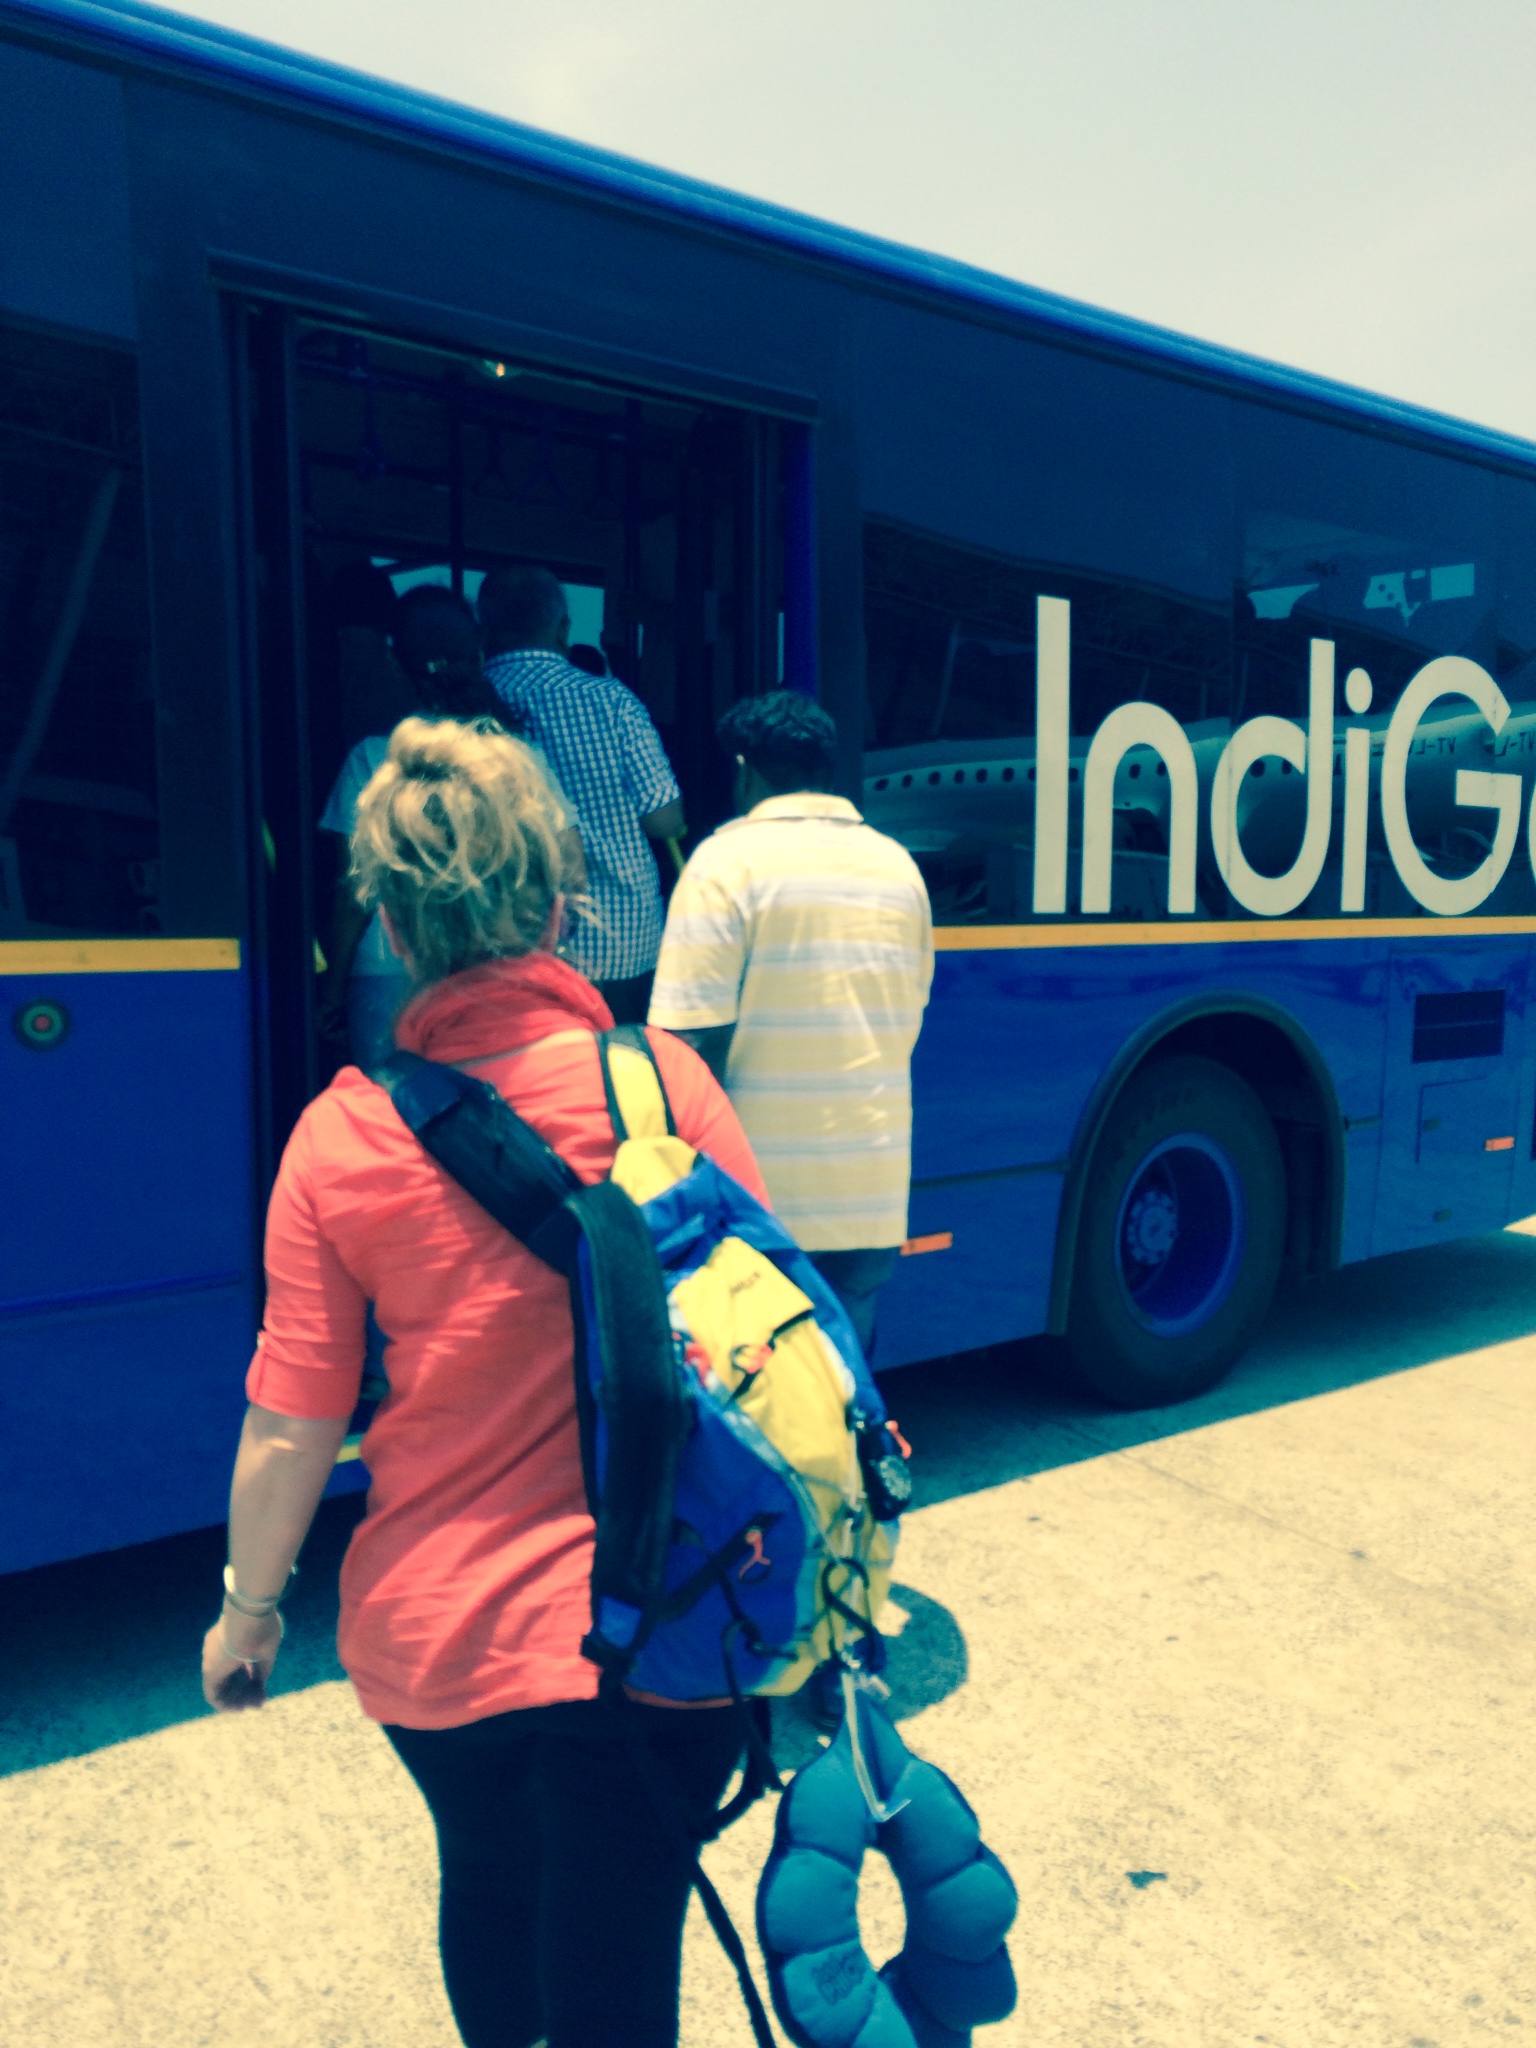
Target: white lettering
{"x": 1308, "y": 749}
{"x": 1140, "y": 725}
{"x": 1450, "y": 675}
{"x": 1357, "y": 807}
{"x": 1053, "y": 745}
{"x": 1312, "y": 750}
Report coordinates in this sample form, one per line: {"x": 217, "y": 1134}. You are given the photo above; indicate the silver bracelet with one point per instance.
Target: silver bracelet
{"x": 241, "y": 1657}
{"x": 256, "y": 1610}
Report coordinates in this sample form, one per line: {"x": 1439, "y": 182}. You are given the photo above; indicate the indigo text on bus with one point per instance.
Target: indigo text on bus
{"x": 1309, "y": 749}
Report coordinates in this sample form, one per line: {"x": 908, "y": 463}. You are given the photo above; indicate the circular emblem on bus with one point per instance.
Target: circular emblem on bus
{"x": 41, "y": 1026}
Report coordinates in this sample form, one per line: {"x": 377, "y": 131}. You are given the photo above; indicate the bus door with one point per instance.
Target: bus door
{"x": 375, "y": 464}
{"x": 1455, "y": 1099}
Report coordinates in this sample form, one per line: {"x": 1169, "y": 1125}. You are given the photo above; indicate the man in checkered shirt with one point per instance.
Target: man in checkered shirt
{"x": 609, "y": 761}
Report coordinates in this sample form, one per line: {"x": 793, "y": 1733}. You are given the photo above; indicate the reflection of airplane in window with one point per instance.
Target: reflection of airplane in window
{"x": 966, "y": 811}
{"x": 1405, "y": 590}
{"x": 1279, "y": 602}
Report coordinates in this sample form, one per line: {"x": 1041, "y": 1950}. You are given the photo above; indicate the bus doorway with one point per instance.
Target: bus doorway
{"x": 375, "y": 463}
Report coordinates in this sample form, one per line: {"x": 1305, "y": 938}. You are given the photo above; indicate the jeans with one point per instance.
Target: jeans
{"x": 856, "y": 1278}
{"x": 629, "y": 999}
{"x": 563, "y": 1895}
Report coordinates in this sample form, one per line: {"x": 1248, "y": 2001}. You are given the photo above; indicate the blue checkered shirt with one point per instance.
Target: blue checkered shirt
{"x": 611, "y": 764}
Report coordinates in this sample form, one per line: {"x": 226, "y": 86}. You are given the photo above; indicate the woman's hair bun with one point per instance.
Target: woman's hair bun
{"x": 458, "y": 837}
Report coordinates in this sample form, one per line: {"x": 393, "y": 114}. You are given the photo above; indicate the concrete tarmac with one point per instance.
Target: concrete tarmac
{"x": 1241, "y": 1692}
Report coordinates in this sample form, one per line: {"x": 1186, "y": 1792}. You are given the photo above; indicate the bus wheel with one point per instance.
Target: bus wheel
{"x": 1179, "y": 1242}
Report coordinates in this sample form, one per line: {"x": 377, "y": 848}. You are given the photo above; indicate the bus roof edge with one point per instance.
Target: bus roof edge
{"x": 224, "y": 55}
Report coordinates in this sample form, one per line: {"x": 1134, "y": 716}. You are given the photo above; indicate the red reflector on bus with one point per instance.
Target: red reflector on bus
{"x": 938, "y": 1241}
{"x": 1498, "y": 1144}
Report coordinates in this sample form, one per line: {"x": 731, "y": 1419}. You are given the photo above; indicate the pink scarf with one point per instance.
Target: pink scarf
{"x": 498, "y": 1006}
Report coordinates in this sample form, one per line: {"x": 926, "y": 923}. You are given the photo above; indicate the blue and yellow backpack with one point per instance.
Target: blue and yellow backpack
{"x": 741, "y": 1471}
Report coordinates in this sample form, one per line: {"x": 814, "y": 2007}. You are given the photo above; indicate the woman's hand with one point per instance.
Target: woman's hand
{"x": 238, "y": 1655}
{"x": 280, "y": 1473}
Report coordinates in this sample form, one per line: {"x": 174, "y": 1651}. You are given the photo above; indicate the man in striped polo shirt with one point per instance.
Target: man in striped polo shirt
{"x": 797, "y": 958}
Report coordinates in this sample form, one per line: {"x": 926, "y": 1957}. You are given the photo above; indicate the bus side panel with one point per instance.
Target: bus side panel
{"x": 126, "y": 1145}
{"x": 996, "y": 1082}
{"x": 1455, "y": 1123}
{"x": 126, "y": 1309}
{"x": 1013, "y": 1047}
{"x": 989, "y": 1284}
{"x": 119, "y": 1424}
{"x": 1016, "y": 1040}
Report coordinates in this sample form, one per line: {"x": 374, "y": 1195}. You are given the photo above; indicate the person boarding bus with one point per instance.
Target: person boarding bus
{"x": 797, "y": 959}
{"x": 465, "y": 1594}
{"x": 608, "y": 758}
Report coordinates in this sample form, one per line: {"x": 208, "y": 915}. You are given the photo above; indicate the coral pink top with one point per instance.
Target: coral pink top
{"x": 464, "y": 1592}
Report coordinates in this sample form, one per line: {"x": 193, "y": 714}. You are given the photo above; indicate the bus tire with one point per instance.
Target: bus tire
{"x": 1180, "y": 1235}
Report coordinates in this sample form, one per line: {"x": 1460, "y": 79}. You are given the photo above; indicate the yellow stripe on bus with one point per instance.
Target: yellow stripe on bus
{"x": 117, "y": 956}
{"x": 997, "y": 938}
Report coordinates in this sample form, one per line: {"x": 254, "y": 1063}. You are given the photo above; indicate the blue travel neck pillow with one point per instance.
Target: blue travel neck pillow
{"x": 868, "y": 1791}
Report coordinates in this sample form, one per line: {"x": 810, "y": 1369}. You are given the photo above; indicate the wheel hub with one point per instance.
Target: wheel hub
{"x": 1152, "y": 1226}
{"x": 1180, "y": 1234}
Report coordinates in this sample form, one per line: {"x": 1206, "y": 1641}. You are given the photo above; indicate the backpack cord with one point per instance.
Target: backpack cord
{"x": 666, "y": 1801}
{"x": 730, "y": 1941}
{"x": 760, "y": 1773}
{"x": 865, "y": 1623}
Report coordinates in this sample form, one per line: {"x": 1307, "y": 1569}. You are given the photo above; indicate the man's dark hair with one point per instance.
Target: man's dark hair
{"x": 788, "y": 739}
{"x": 437, "y": 646}
{"x": 522, "y": 607}
{"x": 581, "y": 654}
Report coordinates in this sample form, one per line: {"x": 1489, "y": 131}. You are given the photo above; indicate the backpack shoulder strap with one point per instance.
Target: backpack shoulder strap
{"x": 480, "y": 1140}
{"x": 637, "y": 1096}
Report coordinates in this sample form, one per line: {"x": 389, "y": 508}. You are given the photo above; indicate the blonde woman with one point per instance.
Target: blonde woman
{"x": 464, "y": 1593}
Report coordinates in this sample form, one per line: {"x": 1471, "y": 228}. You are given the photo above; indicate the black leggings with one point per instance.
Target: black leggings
{"x": 563, "y": 1896}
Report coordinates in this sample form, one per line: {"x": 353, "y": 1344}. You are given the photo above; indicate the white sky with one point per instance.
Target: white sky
{"x": 1345, "y": 185}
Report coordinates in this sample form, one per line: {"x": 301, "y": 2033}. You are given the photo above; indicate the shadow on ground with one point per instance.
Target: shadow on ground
{"x": 985, "y": 1417}
{"x": 926, "y": 1662}
{"x": 106, "y": 1648}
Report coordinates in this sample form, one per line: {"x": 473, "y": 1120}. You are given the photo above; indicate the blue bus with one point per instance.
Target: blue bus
{"x": 1204, "y": 693}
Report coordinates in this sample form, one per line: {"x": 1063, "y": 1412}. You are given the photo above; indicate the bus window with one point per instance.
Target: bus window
{"x": 1391, "y": 556}
{"x": 79, "y": 830}
{"x": 1096, "y": 488}
{"x": 1515, "y": 656}
{"x": 1386, "y": 551}
{"x": 951, "y": 637}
